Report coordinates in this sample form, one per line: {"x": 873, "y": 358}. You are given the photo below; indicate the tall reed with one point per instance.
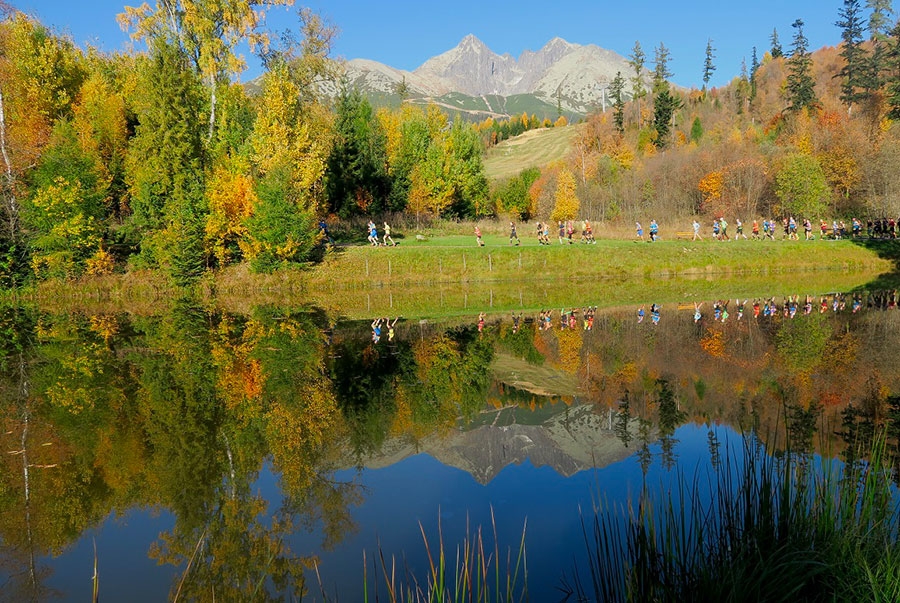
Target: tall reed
{"x": 758, "y": 527}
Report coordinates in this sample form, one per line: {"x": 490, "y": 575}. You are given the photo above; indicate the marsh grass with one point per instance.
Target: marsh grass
{"x": 762, "y": 527}
{"x": 477, "y": 570}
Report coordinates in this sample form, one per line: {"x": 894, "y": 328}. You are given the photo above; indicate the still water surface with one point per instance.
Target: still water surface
{"x": 229, "y": 455}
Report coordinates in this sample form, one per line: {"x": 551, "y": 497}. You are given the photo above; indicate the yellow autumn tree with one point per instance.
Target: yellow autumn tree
{"x": 231, "y": 200}
{"x": 567, "y": 203}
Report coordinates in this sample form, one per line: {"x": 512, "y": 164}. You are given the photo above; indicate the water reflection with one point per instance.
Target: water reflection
{"x": 188, "y": 414}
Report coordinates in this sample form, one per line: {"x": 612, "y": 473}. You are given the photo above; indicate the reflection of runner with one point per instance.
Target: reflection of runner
{"x": 641, "y": 314}
{"x": 390, "y": 326}
{"x": 654, "y": 313}
{"x": 516, "y": 318}
{"x": 481, "y": 322}
{"x": 697, "y": 315}
{"x": 376, "y": 330}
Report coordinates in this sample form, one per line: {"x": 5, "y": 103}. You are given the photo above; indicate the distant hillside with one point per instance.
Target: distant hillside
{"x": 535, "y": 148}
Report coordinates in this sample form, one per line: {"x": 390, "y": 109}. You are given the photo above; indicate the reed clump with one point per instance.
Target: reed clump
{"x": 764, "y": 527}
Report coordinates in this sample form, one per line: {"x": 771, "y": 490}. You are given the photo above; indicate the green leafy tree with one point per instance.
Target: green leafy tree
{"x": 206, "y": 31}
{"x": 800, "y": 84}
{"x": 281, "y": 230}
{"x": 801, "y": 186}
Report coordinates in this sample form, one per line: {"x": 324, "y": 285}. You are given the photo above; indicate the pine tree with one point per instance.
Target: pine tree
{"x": 856, "y": 63}
{"x": 742, "y": 90}
{"x": 892, "y": 59}
{"x": 664, "y": 106}
{"x": 776, "y": 50}
{"x": 636, "y": 60}
{"x": 754, "y": 67}
{"x": 800, "y": 85}
{"x": 708, "y": 66}
{"x": 617, "y": 88}
{"x": 879, "y": 31}
{"x": 661, "y": 73}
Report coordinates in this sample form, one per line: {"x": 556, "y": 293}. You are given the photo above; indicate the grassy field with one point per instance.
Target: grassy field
{"x": 449, "y": 276}
{"x": 534, "y": 148}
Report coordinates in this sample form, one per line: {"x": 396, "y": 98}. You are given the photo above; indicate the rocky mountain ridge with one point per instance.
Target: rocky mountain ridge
{"x": 573, "y": 76}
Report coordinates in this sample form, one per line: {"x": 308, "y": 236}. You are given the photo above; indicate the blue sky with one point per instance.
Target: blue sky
{"x": 405, "y": 33}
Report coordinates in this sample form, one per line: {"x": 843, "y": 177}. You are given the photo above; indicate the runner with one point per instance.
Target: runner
{"x": 373, "y": 233}
{"x": 696, "y": 226}
{"x": 546, "y": 233}
{"x": 562, "y": 231}
{"x": 513, "y": 234}
{"x": 716, "y": 229}
{"x": 478, "y": 236}
{"x": 754, "y": 230}
{"x": 807, "y": 229}
{"x": 387, "y": 236}
{"x": 640, "y": 230}
{"x": 723, "y": 227}
{"x": 823, "y": 229}
{"x": 323, "y": 230}
{"x": 654, "y": 230}
{"x": 739, "y": 227}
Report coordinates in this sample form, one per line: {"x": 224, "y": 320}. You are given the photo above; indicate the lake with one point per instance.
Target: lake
{"x": 213, "y": 455}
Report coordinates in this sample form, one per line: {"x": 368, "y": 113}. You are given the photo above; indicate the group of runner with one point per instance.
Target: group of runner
{"x": 789, "y": 228}
{"x": 386, "y": 240}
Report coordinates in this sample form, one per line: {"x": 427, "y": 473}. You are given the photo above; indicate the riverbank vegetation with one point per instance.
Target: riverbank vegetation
{"x": 162, "y": 160}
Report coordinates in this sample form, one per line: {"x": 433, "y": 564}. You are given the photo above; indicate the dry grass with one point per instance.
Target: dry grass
{"x": 535, "y": 148}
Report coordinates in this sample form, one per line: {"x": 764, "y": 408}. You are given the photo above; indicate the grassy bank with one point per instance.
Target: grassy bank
{"x": 448, "y": 275}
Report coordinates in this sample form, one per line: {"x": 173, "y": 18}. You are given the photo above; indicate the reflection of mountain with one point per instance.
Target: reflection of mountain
{"x": 571, "y": 440}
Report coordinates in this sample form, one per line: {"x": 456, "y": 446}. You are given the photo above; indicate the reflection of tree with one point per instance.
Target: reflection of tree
{"x": 20, "y": 513}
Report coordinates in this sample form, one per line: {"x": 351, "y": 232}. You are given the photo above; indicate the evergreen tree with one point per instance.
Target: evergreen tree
{"x": 754, "y": 67}
{"x": 708, "y": 66}
{"x": 892, "y": 59}
{"x": 879, "y": 27}
{"x": 664, "y": 106}
{"x": 636, "y": 60}
{"x": 743, "y": 88}
{"x": 800, "y": 85}
{"x": 856, "y": 63}
{"x": 661, "y": 73}
{"x": 616, "y": 89}
{"x": 776, "y": 50}
{"x": 696, "y": 130}
{"x": 879, "y": 18}
{"x": 357, "y": 178}
{"x": 166, "y": 158}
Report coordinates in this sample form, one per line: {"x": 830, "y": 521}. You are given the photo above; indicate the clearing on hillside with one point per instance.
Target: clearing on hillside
{"x": 535, "y": 148}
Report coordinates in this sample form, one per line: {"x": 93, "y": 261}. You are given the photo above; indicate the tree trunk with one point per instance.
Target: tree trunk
{"x": 12, "y": 208}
